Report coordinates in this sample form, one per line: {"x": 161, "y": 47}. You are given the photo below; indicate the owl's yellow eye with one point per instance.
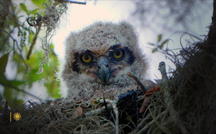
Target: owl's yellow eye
{"x": 118, "y": 54}
{"x": 87, "y": 58}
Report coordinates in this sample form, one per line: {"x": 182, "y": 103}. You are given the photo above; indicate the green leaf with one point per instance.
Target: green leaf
{"x": 3, "y": 63}
{"x": 31, "y": 36}
{"x": 163, "y": 43}
{"x": 152, "y": 44}
{"x": 3, "y": 79}
{"x": 16, "y": 82}
{"x": 39, "y": 3}
{"x": 33, "y": 77}
{"x": 53, "y": 89}
{"x": 11, "y": 96}
{"x": 8, "y": 94}
{"x": 154, "y": 50}
{"x": 34, "y": 12}
{"x": 24, "y": 8}
{"x": 159, "y": 38}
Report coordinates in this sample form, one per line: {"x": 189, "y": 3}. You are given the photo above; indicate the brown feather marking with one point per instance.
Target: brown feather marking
{"x": 100, "y": 52}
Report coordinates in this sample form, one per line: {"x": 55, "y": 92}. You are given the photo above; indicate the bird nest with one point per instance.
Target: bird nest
{"x": 134, "y": 112}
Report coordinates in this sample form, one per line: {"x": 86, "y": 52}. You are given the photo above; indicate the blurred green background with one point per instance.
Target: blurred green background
{"x": 25, "y": 30}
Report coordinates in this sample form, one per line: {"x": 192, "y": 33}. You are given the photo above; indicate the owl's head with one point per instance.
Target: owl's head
{"x": 103, "y": 53}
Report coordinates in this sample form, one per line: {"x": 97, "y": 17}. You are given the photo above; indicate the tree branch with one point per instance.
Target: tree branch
{"x": 20, "y": 90}
{"x": 33, "y": 42}
{"x": 211, "y": 41}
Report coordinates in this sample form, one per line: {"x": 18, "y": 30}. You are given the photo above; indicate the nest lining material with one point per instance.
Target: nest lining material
{"x": 63, "y": 116}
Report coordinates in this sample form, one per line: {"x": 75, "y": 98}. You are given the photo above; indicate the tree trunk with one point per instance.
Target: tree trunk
{"x": 195, "y": 84}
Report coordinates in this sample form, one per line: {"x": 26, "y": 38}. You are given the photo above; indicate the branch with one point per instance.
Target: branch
{"x": 112, "y": 104}
{"x": 214, "y": 12}
{"x": 138, "y": 82}
{"x": 20, "y": 90}
{"x": 33, "y": 42}
{"x": 76, "y": 2}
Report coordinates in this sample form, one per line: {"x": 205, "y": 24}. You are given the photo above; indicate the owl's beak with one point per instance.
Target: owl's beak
{"x": 103, "y": 71}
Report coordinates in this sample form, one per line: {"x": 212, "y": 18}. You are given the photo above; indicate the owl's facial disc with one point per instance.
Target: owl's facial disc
{"x": 104, "y": 66}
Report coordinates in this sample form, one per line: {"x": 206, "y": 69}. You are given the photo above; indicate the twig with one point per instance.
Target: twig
{"x": 176, "y": 119}
{"x": 33, "y": 42}
{"x": 96, "y": 111}
{"x": 137, "y": 81}
{"x": 112, "y": 104}
{"x": 115, "y": 109}
{"x": 20, "y": 90}
{"x": 192, "y": 35}
{"x": 141, "y": 124}
{"x": 150, "y": 123}
{"x": 23, "y": 91}
{"x": 163, "y": 129}
{"x": 75, "y": 2}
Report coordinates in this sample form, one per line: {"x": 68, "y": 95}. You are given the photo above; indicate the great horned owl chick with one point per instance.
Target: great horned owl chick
{"x": 99, "y": 57}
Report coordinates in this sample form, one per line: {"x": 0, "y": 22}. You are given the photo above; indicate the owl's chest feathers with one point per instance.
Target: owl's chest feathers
{"x": 84, "y": 85}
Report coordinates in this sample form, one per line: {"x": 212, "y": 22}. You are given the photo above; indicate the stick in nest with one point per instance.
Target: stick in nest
{"x": 138, "y": 82}
{"x": 113, "y": 104}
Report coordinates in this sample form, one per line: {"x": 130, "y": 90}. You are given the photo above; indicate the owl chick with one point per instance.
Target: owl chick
{"x": 99, "y": 58}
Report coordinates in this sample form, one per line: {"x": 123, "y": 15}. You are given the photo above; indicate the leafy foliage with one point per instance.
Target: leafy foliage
{"x": 20, "y": 30}
{"x": 38, "y": 72}
{"x": 39, "y": 3}
{"x": 160, "y": 43}
{"x": 3, "y": 61}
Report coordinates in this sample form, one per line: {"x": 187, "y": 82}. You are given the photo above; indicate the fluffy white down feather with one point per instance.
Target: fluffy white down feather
{"x": 102, "y": 36}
